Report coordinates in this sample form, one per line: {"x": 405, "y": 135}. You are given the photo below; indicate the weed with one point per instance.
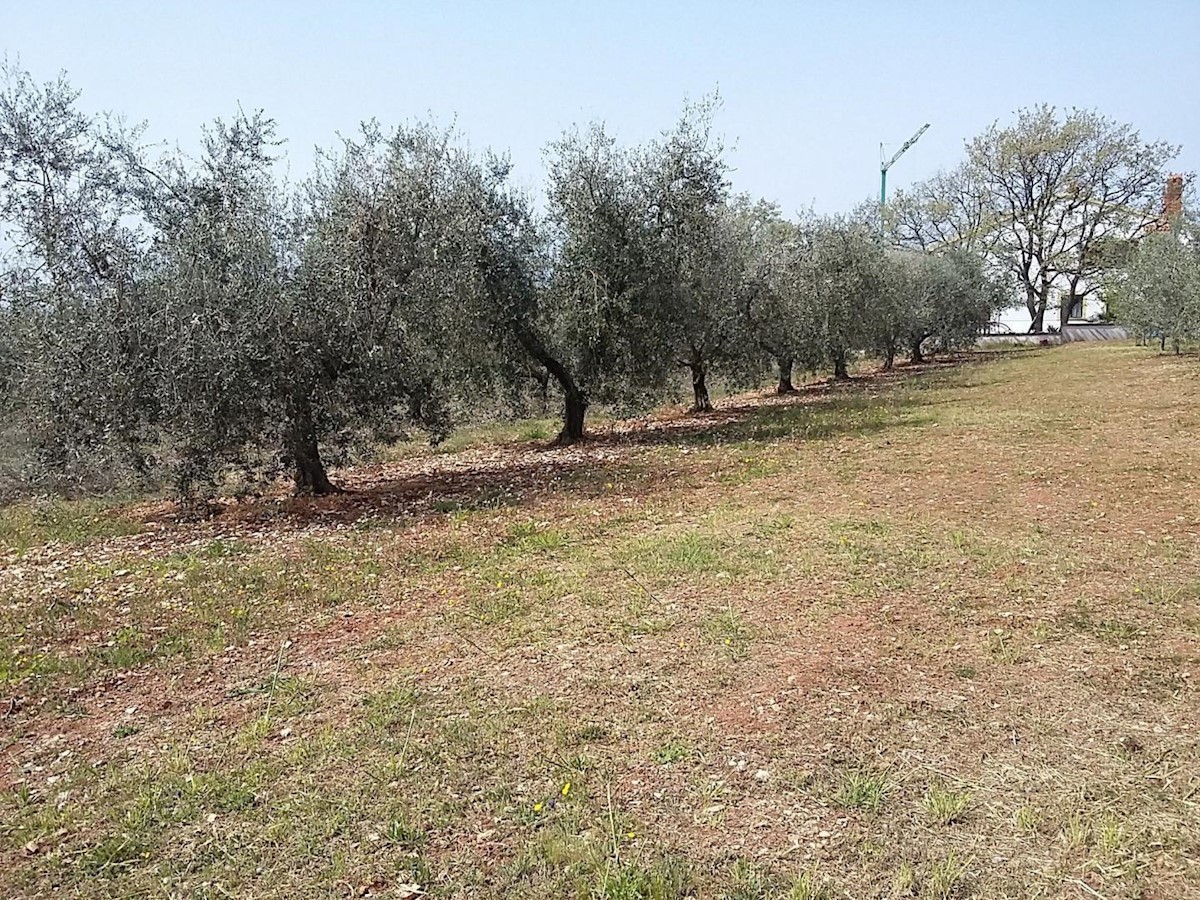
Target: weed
{"x": 667, "y": 878}
{"x": 403, "y": 835}
{"x": 113, "y": 854}
{"x": 689, "y": 553}
{"x": 1002, "y": 645}
{"x": 497, "y": 607}
{"x": 21, "y": 666}
{"x": 34, "y": 523}
{"x": 746, "y": 882}
{"x": 533, "y": 537}
{"x": 944, "y": 805}
{"x": 863, "y": 789}
{"x": 673, "y": 752}
{"x": 809, "y": 886}
{"x": 390, "y": 709}
{"x": 1112, "y": 839}
{"x": 945, "y": 878}
{"x": 1115, "y": 632}
{"x": 126, "y": 650}
{"x": 1027, "y": 818}
{"x": 729, "y": 631}
{"x": 591, "y": 733}
{"x": 711, "y": 801}
{"x": 1076, "y": 831}
{"x": 904, "y": 881}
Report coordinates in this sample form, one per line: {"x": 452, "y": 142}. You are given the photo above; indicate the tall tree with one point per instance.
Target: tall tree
{"x": 1058, "y": 185}
{"x": 951, "y": 209}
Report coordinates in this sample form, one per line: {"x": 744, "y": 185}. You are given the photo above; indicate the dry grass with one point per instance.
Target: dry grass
{"x": 931, "y": 635}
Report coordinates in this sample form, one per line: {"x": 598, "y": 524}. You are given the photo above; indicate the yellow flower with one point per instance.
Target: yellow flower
{"x": 631, "y": 834}
{"x": 566, "y": 789}
{"x": 538, "y": 807}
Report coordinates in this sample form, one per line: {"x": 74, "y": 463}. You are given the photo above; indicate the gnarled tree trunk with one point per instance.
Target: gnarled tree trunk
{"x": 309, "y": 469}
{"x": 700, "y": 401}
{"x": 785, "y": 375}
{"x": 575, "y": 399}
{"x": 840, "y": 370}
{"x": 914, "y": 351}
{"x": 575, "y": 406}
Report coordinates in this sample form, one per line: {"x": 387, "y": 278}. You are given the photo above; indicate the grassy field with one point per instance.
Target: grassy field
{"x": 934, "y": 635}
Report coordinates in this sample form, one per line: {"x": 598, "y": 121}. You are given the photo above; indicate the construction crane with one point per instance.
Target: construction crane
{"x": 884, "y": 166}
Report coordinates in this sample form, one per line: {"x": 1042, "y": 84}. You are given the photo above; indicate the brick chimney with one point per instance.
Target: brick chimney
{"x": 1173, "y": 198}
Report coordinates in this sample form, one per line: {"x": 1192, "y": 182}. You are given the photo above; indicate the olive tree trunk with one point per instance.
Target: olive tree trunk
{"x": 700, "y": 398}
{"x": 575, "y": 399}
{"x": 309, "y": 469}
{"x": 785, "y": 375}
{"x": 914, "y": 351}
{"x": 575, "y": 406}
{"x": 840, "y": 370}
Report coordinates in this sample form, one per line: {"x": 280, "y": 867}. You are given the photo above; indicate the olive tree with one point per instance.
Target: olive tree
{"x": 776, "y": 304}
{"x": 386, "y": 262}
{"x": 214, "y": 281}
{"x": 943, "y": 300}
{"x": 77, "y": 358}
{"x": 963, "y": 296}
{"x": 696, "y": 253}
{"x": 841, "y": 275}
{"x": 309, "y": 323}
{"x": 577, "y": 293}
{"x": 1160, "y": 293}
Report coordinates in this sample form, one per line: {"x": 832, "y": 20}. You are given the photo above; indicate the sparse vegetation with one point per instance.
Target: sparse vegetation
{"x": 945, "y": 805}
{"x": 945, "y": 877}
{"x": 862, "y": 789}
{"x": 810, "y": 645}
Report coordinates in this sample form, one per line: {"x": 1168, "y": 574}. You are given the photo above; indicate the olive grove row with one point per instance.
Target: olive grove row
{"x": 161, "y": 313}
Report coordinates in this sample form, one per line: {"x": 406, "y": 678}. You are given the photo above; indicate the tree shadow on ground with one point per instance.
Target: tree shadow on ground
{"x": 621, "y": 458}
{"x": 816, "y": 411}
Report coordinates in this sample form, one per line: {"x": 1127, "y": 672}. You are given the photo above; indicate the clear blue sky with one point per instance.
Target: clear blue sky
{"x": 810, "y": 89}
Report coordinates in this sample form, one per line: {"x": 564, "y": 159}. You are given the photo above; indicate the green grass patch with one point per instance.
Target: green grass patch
{"x": 34, "y": 523}
{"x": 863, "y": 789}
{"x": 945, "y": 805}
